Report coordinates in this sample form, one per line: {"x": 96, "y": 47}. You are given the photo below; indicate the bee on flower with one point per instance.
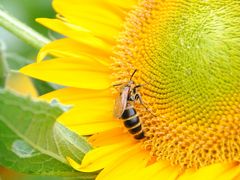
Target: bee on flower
{"x": 188, "y": 54}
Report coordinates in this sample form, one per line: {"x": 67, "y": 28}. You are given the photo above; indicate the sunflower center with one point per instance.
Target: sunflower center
{"x": 188, "y": 56}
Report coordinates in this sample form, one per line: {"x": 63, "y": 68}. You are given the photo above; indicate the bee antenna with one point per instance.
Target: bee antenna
{"x": 133, "y": 74}
{"x": 117, "y": 84}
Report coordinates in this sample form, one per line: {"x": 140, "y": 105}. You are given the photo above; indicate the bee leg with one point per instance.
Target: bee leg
{"x": 139, "y": 85}
{"x": 139, "y": 97}
{"x": 135, "y": 89}
{"x": 117, "y": 84}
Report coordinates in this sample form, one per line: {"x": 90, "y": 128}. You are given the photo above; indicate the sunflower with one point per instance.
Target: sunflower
{"x": 187, "y": 56}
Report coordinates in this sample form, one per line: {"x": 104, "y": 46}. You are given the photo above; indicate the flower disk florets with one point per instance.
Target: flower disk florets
{"x": 188, "y": 57}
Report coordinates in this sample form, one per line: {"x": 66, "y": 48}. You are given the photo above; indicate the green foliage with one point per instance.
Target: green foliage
{"x": 3, "y": 67}
{"x": 44, "y": 87}
{"x": 32, "y": 142}
{"x": 16, "y": 61}
{"x": 26, "y": 11}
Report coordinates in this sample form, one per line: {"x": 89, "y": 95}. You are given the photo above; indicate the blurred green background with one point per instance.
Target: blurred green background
{"x": 26, "y": 11}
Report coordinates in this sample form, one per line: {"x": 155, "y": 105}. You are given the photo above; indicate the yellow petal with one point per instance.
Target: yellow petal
{"x": 69, "y": 48}
{"x": 232, "y": 172}
{"x": 91, "y": 16}
{"x": 127, "y": 166}
{"x": 76, "y": 96}
{"x": 152, "y": 170}
{"x": 21, "y": 83}
{"x": 75, "y": 32}
{"x": 237, "y": 177}
{"x": 82, "y": 73}
{"x": 99, "y": 158}
{"x": 220, "y": 171}
{"x": 98, "y": 104}
{"x": 93, "y": 10}
{"x": 116, "y": 134}
{"x": 91, "y": 116}
{"x": 97, "y": 28}
{"x": 167, "y": 173}
{"x": 95, "y": 127}
{"x": 209, "y": 172}
{"x": 126, "y": 4}
{"x": 187, "y": 174}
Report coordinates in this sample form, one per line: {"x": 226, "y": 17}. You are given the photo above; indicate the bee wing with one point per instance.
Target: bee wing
{"x": 121, "y": 103}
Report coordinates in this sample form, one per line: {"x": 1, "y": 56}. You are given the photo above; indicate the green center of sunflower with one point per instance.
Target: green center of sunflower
{"x": 188, "y": 56}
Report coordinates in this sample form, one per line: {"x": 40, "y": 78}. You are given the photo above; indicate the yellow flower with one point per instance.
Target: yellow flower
{"x": 187, "y": 58}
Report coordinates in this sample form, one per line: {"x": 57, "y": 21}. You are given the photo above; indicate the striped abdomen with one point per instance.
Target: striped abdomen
{"x": 132, "y": 122}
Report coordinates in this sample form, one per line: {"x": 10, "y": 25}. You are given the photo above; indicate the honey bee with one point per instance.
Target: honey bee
{"x": 124, "y": 107}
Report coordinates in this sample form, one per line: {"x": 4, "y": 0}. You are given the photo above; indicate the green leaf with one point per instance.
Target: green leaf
{"x": 3, "y": 66}
{"x": 45, "y": 87}
{"x": 15, "y": 61}
{"x": 32, "y": 142}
